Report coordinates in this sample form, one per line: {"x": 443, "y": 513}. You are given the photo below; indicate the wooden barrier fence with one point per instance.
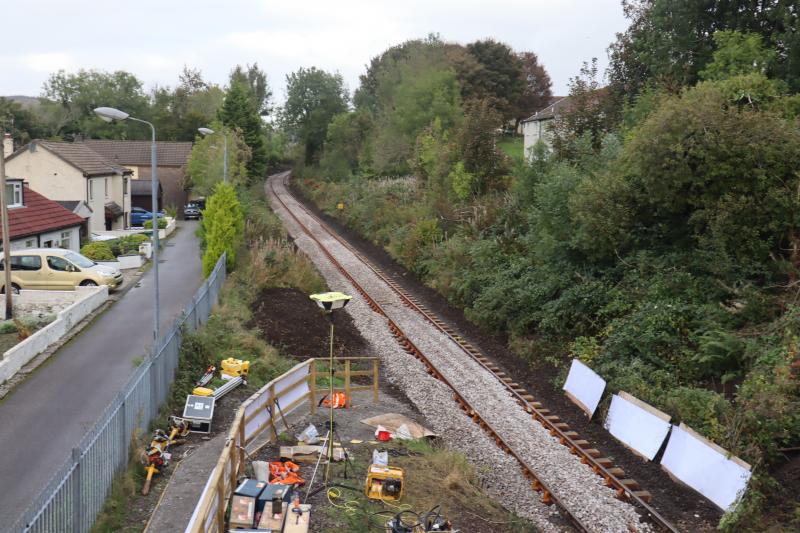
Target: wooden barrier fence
{"x": 255, "y": 426}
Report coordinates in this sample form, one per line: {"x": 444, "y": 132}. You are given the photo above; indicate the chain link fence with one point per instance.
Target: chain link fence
{"x": 77, "y": 491}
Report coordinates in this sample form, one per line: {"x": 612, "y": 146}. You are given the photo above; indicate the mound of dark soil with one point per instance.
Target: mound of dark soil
{"x": 289, "y": 320}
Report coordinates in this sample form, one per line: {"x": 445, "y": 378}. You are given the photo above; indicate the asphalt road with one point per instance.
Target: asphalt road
{"x": 46, "y": 415}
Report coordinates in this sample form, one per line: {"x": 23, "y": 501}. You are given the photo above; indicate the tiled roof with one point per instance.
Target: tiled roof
{"x": 68, "y": 204}
{"x": 39, "y": 214}
{"x": 137, "y": 153}
{"x": 551, "y": 111}
{"x": 78, "y": 155}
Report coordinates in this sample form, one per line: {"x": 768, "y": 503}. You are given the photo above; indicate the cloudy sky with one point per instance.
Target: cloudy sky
{"x": 155, "y": 39}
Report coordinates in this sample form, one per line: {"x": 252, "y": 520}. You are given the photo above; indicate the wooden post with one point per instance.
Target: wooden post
{"x": 221, "y": 507}
{"x": 271, "y": 404}
{"x": 312, "y": 386}
{"x": 375, "y": 380}
{"x": 347, "y": 383}
{"x": 233, "y": 458}
{"x": 242, "y": 442}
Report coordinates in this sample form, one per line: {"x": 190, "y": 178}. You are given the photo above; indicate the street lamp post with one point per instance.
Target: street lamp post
{"x": 209, "y": 131}
{"x": 329, "y": 302}
{"x": 108, "y": 114}
{"x": 6, "y": 236}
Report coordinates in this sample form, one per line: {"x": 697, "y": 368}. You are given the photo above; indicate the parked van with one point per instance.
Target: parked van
{"x": 57, "y": 270}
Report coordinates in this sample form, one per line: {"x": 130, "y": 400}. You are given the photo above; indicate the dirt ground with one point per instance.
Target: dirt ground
{"x": 429, "y": 476}
{"x": 682, "y": 506}
{"x": 289, "y": 320}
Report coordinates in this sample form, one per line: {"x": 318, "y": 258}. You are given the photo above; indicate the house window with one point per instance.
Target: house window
{"x": 124, "y": 186}
{"x": 106, "y": 186}
{"x": 65, "y": 239}
{"x": 14, "y": 194}
{"x": 91, "y": 190}
{"x": 30, "y": 243}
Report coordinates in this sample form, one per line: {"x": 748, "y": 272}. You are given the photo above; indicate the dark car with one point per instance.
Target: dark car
{"x": 191, "y": 211}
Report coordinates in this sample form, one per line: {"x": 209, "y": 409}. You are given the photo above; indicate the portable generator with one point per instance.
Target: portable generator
{"x": 384, "y": 483}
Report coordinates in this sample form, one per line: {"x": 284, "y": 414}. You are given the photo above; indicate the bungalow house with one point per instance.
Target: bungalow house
{"x": 171, "y": 159}
{"x": 539, "y": 126}
{"x": 36, "y": 222}
{"x": 64, "y": 171}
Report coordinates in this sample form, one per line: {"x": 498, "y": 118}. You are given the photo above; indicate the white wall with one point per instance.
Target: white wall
{"x": 535, "y": 130}
{"x": 56, "y": 236}
{"x": 22, "y": 353}
{"x": 48, "y": 175}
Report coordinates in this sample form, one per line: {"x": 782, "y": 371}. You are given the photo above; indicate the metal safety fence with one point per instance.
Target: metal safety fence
{"x": 77, "y": 491}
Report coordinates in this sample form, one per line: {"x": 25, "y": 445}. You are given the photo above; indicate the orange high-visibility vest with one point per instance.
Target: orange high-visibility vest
{"x": 339, "y": 400}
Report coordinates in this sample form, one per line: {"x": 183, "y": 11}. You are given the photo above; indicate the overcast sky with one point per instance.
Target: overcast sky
{"x": 155, "y": 39}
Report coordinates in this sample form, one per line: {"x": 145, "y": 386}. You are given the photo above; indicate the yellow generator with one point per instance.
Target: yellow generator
{"x": 384, "y": 483}
{"x": 233, "y": 368}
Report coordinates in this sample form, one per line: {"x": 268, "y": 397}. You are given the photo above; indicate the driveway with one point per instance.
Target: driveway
{"x": 46, "y": 415}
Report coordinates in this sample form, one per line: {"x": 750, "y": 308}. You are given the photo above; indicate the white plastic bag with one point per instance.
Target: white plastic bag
{"x": 380, "y": 457}
{"x": 403, "y": 433}
{"x": 309, "y": 435}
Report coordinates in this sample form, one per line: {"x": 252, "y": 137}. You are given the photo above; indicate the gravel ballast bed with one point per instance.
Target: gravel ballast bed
{"x": 574, "y": 483}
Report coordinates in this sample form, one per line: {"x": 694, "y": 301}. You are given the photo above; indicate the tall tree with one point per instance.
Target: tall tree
{"x": 69, "y": 100}
{"x": 21, "y": 123}
{"x": 256, "y": 79}
{"x": 500, "y": 80}
{"x": 313, "y": 98}
{"x": 241, "y": 111}
{"x": 177, "y": 113}
{"x": 205, "y": 165}
{"x": 670, "y": 41}
{"x": 536, "y": 92}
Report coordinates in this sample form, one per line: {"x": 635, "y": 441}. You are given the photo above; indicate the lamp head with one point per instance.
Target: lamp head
{"x": 330, "y": 301}
{"x": 109, "y": 113}
{"x": 206, "y": 131}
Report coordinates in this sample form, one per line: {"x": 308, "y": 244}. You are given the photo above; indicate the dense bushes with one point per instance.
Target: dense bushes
{"x": 98, "y": 251}
{"x": 661, "y": 257}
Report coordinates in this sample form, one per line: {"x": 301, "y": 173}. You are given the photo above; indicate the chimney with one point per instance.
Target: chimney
{"x": 8, "y": 145}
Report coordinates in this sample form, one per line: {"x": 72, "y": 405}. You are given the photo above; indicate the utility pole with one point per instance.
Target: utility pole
{"x": 6, "y": 238}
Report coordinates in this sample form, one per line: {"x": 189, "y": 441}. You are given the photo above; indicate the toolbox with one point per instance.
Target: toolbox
{"x": 199, "y": 411}
{"x": 243, "y": 503}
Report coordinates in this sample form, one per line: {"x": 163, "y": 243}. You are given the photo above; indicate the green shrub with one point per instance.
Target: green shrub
{"x": 98, "y": 251}
{"x": 223, "y": 227}
{"x": 162, "y": 223}
{"x": 127, "y": 245}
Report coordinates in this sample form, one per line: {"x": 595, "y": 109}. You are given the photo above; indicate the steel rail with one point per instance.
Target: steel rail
{"x": 547, "y": 495}
{"x": 602, "y": 467}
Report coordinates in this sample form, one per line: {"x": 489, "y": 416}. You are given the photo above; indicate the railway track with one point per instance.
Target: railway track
{"x": 613, "y": 477}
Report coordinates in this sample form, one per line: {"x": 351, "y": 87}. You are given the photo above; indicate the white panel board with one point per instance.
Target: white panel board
{"x": 288, "y": 380}
{"x": 639, "y": 426}
{"x": 705, "y": 467}
{"x": 258, "y": 406}
{"x": 584, "y": 387}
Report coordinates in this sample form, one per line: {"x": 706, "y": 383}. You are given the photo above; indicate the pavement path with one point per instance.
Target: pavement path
{"x": 46, "y": 415}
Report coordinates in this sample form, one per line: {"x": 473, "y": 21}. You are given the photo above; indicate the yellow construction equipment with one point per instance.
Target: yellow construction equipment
{"x": 384, "y": 483}
{"x": 156, "y": 456}
{"x": 233, "y": 368}
{"x": 203, "y": 391}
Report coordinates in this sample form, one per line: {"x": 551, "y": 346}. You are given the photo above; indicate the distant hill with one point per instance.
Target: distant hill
{"x": 25, "y": 101}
